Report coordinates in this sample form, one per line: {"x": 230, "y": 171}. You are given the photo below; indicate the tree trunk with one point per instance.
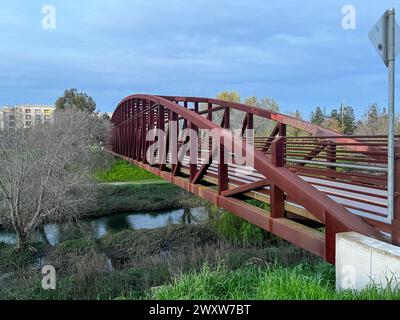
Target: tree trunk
{"x": 22, "y": 240}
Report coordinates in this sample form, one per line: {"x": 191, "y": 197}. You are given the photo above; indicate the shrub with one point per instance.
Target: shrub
{"x": 12, "y": 259}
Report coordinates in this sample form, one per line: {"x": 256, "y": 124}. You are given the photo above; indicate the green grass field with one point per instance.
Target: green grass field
{"x": 303, "y": 282}
{"x": 122, "y": 171}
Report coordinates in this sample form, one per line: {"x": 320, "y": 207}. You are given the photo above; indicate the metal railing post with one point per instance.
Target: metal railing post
{"x": 277, "y": 195}
{"x": 331, "y": 154}
{"x": 223, "y": 175}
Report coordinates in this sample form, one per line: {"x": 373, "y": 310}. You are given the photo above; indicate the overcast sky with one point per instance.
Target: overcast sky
{"x": 293, "y": 51}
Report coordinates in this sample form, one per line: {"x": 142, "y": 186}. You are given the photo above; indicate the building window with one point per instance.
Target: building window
{"x": 11, "y": 117}
{"x": 27, "y": 110}
{"x": 38, "y": 117}
{"x": 37, "y": 111}
{"x": 47, "y": 112}
{"x": 12, "y": 124}
{"x": 28, "y": 123}
{"x": 28, "y": 117}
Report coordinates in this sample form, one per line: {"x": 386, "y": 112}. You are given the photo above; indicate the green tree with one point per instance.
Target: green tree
{"x": 74, "y": 99}
{"x": 252, "y": 101}
{"x": 231, "y": 96}
{"x": 372, "y": 115}
{"x": 335, "y": 115}
{"x": 375, "y": 122}
{"x": 317, "y": 116}
{"x": 348, "y": 125}
{"x": 263, "y": 126}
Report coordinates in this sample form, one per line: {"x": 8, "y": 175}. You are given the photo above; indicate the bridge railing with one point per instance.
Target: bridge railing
{"x": 351, "y": 171}
{"x": 355, "y": 177}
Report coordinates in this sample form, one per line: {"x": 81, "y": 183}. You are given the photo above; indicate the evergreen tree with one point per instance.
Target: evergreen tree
{"x": 317, "y": 116}
{"x": 372, "y": 115}
{"x": 348, "y": 124}
{"x": 335, "y": 115}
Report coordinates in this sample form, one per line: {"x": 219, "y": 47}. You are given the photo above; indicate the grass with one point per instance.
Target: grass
{"x": 135, "y": 197}
{"x": 272, "y": 282}
{"x": 141, "y": 260}
{"x": 176, "y": 262}
{"x": 12, "y": 259}
{"x": 235, "y": 229}
{"x": 122, "y": 171}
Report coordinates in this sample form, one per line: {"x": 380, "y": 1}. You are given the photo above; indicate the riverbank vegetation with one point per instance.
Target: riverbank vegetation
{"x": 264, "y": 282}
{"x": 223, "y": 257}
{"x": 117, "y": 198}
{"x": 174, "y": 262}
{"x": 122, "y": 171}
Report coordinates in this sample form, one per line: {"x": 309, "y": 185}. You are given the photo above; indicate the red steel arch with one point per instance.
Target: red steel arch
{"x": 286, "y": 188}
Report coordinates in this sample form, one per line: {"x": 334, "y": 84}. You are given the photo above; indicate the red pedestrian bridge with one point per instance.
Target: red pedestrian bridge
{"x": 305, "y": 185}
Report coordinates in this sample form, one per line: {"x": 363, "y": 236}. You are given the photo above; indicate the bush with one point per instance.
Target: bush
{"x": 12, "y": 259}
{"x": 75, "y": 246}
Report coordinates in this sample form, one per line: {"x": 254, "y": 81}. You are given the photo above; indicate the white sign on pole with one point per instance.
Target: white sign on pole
{"x": 379, "y": 38}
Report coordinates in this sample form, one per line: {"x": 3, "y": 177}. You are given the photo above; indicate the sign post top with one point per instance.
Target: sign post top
{"x": 379, "y": 36}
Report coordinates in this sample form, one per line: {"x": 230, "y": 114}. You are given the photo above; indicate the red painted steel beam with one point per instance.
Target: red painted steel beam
{"x": 284, "y": 119}
{"x": 246, "y": 188}
{"x": 297, "y": 189}
{"x": 301, "y": 236}
{"x": 315, "y": 152}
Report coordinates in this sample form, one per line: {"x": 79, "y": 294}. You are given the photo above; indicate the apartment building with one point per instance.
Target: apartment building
{"x": 25, "y": 116}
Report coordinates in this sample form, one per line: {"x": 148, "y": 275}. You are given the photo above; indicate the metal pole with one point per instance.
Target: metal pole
{"x": 391, "y": 141}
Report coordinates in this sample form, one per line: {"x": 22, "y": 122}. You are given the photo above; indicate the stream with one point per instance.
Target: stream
{"x": 54, "y": 234}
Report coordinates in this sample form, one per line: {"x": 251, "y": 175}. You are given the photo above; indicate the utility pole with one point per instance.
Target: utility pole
{"x": 342, "y": 113}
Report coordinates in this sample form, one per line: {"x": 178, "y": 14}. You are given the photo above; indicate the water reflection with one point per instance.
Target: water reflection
{"x": 56, "y": 233}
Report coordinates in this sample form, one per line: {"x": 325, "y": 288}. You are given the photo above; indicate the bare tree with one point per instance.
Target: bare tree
{"x": 375, "y": 122}
{"x": 262, "y": 126}
{"x": 45, "y": 171}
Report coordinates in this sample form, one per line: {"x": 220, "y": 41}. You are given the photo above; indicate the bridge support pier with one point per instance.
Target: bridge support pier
{"x": 362, "y": 261}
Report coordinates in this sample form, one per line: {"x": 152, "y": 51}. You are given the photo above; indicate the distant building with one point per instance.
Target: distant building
{"x": 25, "y": 116}
{"x": 105, "y": 114}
